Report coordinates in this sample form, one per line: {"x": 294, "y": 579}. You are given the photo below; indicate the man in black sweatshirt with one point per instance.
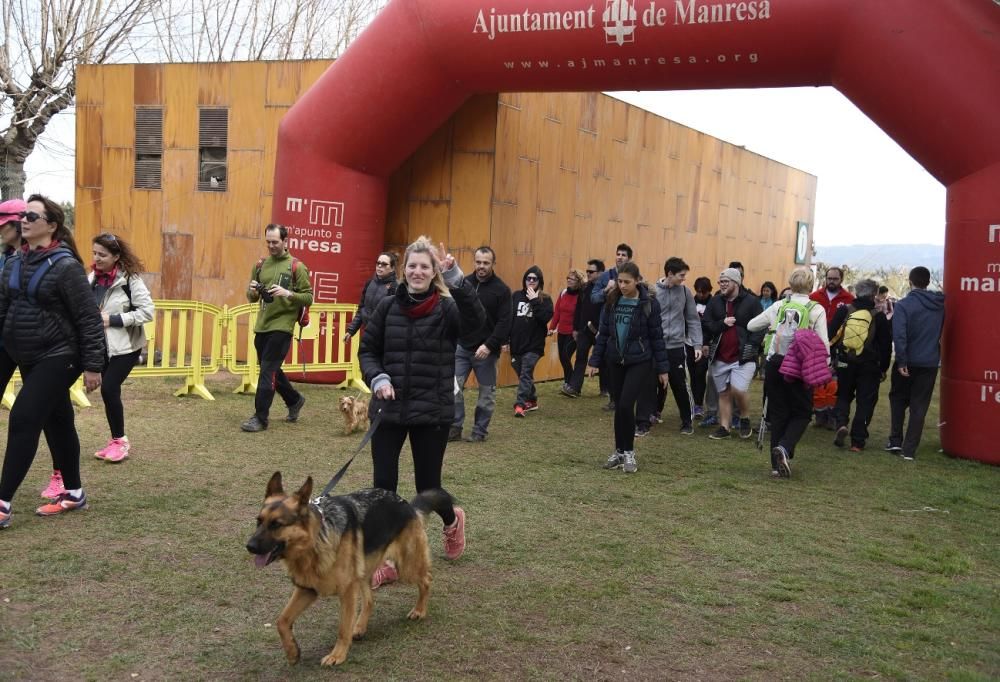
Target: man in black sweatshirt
{"x": 479, "y": 350}
{"x": 532, "y": 309}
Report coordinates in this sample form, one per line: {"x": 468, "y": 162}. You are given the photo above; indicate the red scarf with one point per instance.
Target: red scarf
{"x": 423, "y": 308}
{"x": 54, "y": 244}
{"x": 105, "y": 279}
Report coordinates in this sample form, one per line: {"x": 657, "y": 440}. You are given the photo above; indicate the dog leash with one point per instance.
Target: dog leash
{"x": 364, "y": 441}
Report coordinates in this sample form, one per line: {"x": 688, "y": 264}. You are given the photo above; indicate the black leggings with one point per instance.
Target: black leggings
{"x": 272, "y": 347}
{"x": 427, "y": 443}
{"x": 567, "y": 347}
{"x": 43, "y": 402}
{"x": 114, "y": 375}
{"x": 626, "y": 383}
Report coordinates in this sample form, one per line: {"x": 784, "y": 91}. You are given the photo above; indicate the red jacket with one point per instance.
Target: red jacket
{"x": 843, "y": 297}
{"x": 562, "y": 318}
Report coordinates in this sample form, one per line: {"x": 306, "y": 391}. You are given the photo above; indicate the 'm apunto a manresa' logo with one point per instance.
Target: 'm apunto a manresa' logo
{"x": 620, "y": 18}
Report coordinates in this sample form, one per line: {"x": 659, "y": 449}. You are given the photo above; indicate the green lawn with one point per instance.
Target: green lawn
{"x": 699, "y": 567}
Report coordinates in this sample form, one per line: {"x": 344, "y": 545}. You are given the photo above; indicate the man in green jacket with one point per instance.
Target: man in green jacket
{"x": 281, "y": 284}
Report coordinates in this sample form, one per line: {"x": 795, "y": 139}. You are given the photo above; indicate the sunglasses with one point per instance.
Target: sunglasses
{"x": 31, "y": 216}
{"x": 530, "y": 278}
{"x": 591, "y": 272}
{"x": 383, "y": 263}
{"x": 107, "y": 235}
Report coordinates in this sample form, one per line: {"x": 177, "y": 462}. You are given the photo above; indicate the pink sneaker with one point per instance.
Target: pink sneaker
{"x": 103, "y": 452}
{"x": 384, "y": 574}
{"x": 55, "y": 487}
{"x": 454, "y": 536}
{"x": 117, "y": 450}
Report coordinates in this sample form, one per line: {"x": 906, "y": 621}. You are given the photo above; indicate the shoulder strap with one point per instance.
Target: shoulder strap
{"x": 14, "y": 283}
{"x": 260, "y": 264}
{"x": 127, "y": 288}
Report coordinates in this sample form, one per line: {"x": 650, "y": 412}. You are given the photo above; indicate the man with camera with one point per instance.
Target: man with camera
{"x": 281, "y": 284}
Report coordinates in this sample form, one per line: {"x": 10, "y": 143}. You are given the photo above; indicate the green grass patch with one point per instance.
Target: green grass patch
{"x": 700, "y": 566}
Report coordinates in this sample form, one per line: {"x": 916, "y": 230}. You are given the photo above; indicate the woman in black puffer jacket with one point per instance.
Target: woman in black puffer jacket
{"x": 407, "y": 357}
{"x": 52, "y": 329}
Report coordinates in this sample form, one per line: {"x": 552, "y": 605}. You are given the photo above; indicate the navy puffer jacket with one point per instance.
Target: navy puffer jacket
{"x": 644, "y": 341}
{"x": 65, "y": 322}
{"x": 418, "y": 354}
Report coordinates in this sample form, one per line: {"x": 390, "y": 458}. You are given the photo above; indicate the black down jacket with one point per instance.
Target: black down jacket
{"x": 65, "y": 322}
{"x": 418, "y": 354}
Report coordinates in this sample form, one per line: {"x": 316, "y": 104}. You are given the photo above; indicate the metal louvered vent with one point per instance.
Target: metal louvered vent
{"x": 213, "y": 139}
{"x": 148, "y": 147}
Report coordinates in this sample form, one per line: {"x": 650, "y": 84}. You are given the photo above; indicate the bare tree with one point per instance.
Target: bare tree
{"x": 44, "y": 40}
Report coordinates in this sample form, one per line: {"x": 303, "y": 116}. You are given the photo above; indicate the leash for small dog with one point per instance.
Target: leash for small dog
{"x": 364, "y": 441}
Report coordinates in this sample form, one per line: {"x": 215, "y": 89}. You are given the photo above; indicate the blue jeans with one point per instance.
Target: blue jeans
{"x": 524, "y": 365}
{"x": 486, "y": 377}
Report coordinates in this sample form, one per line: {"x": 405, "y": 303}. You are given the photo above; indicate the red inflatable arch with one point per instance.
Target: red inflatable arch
{"x": 928, "y": 73}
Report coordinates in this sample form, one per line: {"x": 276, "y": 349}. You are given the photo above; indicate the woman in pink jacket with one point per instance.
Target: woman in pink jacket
{"x": 789, "y": 402}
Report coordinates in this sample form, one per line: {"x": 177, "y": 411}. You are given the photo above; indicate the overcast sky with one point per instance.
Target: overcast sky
{"x": 870, "y": 191}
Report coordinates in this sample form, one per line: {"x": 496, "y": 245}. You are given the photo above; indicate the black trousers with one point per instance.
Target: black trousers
{"x": 699, "y": 376}
{"x": 911, "y": 393}
{"x": 114, "y": 375}
{"x": 678, "y": 385}
{"x": 857, "y": 383}
{"x": 272, "y": 347}
{"x": 567, "y": 347}
{"x": 43, "y": 403}
{"x": 427, "y": 445}
{"x": 789, "y": 408}
{"x": 584, "y": 342}
{"x": 628, "y": 382}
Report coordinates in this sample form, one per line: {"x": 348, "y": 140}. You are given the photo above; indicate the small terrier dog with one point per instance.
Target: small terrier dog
{"x": 355, "y": 411}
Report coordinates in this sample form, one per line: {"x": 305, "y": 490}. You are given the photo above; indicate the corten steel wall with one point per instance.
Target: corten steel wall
{"x": 547, "y": 179}
{"x": 928, "y": 73}
{"x": 555, "y": 179}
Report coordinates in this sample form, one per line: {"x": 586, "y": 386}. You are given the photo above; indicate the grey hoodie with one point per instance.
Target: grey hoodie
{"x": 679, "y": 316}
{"x": 916, "y": 328}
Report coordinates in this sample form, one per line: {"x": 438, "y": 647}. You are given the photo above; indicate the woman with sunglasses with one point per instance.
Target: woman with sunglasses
{"x": 52, "y": 329}
{"x": 126, "y": 306}
{"x": 528, "y": 331}
{"x": 381, "y": 284}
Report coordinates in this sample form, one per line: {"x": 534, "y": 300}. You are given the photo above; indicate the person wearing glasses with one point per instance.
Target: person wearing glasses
{"x": 479, "y": 349}
{"x": 281, "y": 284}
{"x": 52, "y": 329}
{"x": 562, "y": 324}
{"x": 586, "y": 322}
{"x": 126, "y": 306}
{"x": 733, "y": 351}
{"x": 532, "y": 309}
{"x": 380, "y": 285}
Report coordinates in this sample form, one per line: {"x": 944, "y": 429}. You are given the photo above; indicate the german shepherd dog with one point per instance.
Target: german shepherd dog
{"x": 332, "y": 545}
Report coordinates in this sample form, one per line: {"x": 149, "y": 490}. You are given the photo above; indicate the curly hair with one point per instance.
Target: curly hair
{"x": 128, "y": 261}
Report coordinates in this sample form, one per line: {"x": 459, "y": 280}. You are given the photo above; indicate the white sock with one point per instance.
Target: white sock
{"x": 5, "y": 505}
{"x": 76, "y": 492}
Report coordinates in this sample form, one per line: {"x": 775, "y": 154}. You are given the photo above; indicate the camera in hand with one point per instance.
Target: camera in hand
{"x": 265, "y": 295}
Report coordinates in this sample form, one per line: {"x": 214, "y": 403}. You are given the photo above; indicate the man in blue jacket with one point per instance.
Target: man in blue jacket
{"x": 916, "y": 333}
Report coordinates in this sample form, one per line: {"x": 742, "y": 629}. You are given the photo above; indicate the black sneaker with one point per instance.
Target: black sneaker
{"x": 841, "y": 436}
{"x": 781, "y": 459}
{"x": 475, "y": 438}
{"x": 641, "y": 431}
{"x": 454, "y": 434}
{"x": 253, "y": 425}
{"x": 894, "y": 449}
{"x": 720, "y": 433}
{"x": 745, "y": 429}
{"x": 687, "y": 429}
{"x": 569, "y": 391}
{"x": 294, "y": 410}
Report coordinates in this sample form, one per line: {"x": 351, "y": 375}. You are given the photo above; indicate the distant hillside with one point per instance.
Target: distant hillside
{"x": 874, "y": 256}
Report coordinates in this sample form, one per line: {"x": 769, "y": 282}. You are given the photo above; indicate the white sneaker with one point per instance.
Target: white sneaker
{"x": 630, "y": 466}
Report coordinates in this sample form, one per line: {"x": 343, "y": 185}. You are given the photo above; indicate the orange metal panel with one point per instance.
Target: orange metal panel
{"x": 148, "y": 83}
{"x": 429, "y": 218}
{"x": 245, "y": 178}
{"x": 180, "y": 115}
{"x": 432, "y": 167}
{"x": 89, "y": 84}
{"x": 87, "y": 214}
{"x": 214, "y": 81}
{"x": 272, "y": 119}
{"x": 476, "y": 125}
{"x": 284, "y": 83}
{"x": 180, "y": 174}
{"x": 178, "y": 266}
{"x": 472, "y": 187}
{"x": 119, "y": 112}
{"x": 213, "y": 214}
{"x": 89, "y": 141}
{"x": 507, "y": 167}
{"x": 117, "y": 179}
{"x": 247, "y": 115}
{"x": 145, "y": 222}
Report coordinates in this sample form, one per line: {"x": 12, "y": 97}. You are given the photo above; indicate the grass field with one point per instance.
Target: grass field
{"x": 698, "y": 567}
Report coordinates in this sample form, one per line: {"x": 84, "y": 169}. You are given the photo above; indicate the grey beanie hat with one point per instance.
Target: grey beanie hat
{"x": 732, "y": 274}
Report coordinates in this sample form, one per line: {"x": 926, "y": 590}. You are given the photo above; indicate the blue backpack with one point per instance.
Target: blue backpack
{"x": 14, "y": 282}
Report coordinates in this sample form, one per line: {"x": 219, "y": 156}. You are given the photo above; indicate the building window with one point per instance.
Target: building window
{"x": 213, "y": 135}
{"x": 148, "y": 147}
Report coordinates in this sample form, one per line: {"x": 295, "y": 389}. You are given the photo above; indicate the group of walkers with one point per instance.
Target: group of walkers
{"x": 56, "y": 323}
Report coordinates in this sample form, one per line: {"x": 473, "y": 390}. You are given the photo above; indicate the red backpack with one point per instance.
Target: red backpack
{"x": 304, "y": 311}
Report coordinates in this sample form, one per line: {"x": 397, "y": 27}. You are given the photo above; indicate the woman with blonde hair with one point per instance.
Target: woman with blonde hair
{"x": 407, "y": 357}
{"x": 126, "y": 306}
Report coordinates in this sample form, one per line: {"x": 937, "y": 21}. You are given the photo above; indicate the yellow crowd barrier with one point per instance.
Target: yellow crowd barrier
{"x": 191, "y": 340}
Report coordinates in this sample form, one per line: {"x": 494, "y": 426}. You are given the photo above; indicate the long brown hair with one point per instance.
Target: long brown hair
{"x": 128, "y": 261}
{"x": 629, "y": 268}
{"x": 54, "y": 214}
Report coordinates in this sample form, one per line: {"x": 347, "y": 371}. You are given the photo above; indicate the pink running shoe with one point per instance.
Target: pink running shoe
{"x": 384, "y": 574}
{"x": 103, "y": 452}
{"x": 55, "y": 488}
{"x": 454, "y": 536}
{"x": 117, "y": 450}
